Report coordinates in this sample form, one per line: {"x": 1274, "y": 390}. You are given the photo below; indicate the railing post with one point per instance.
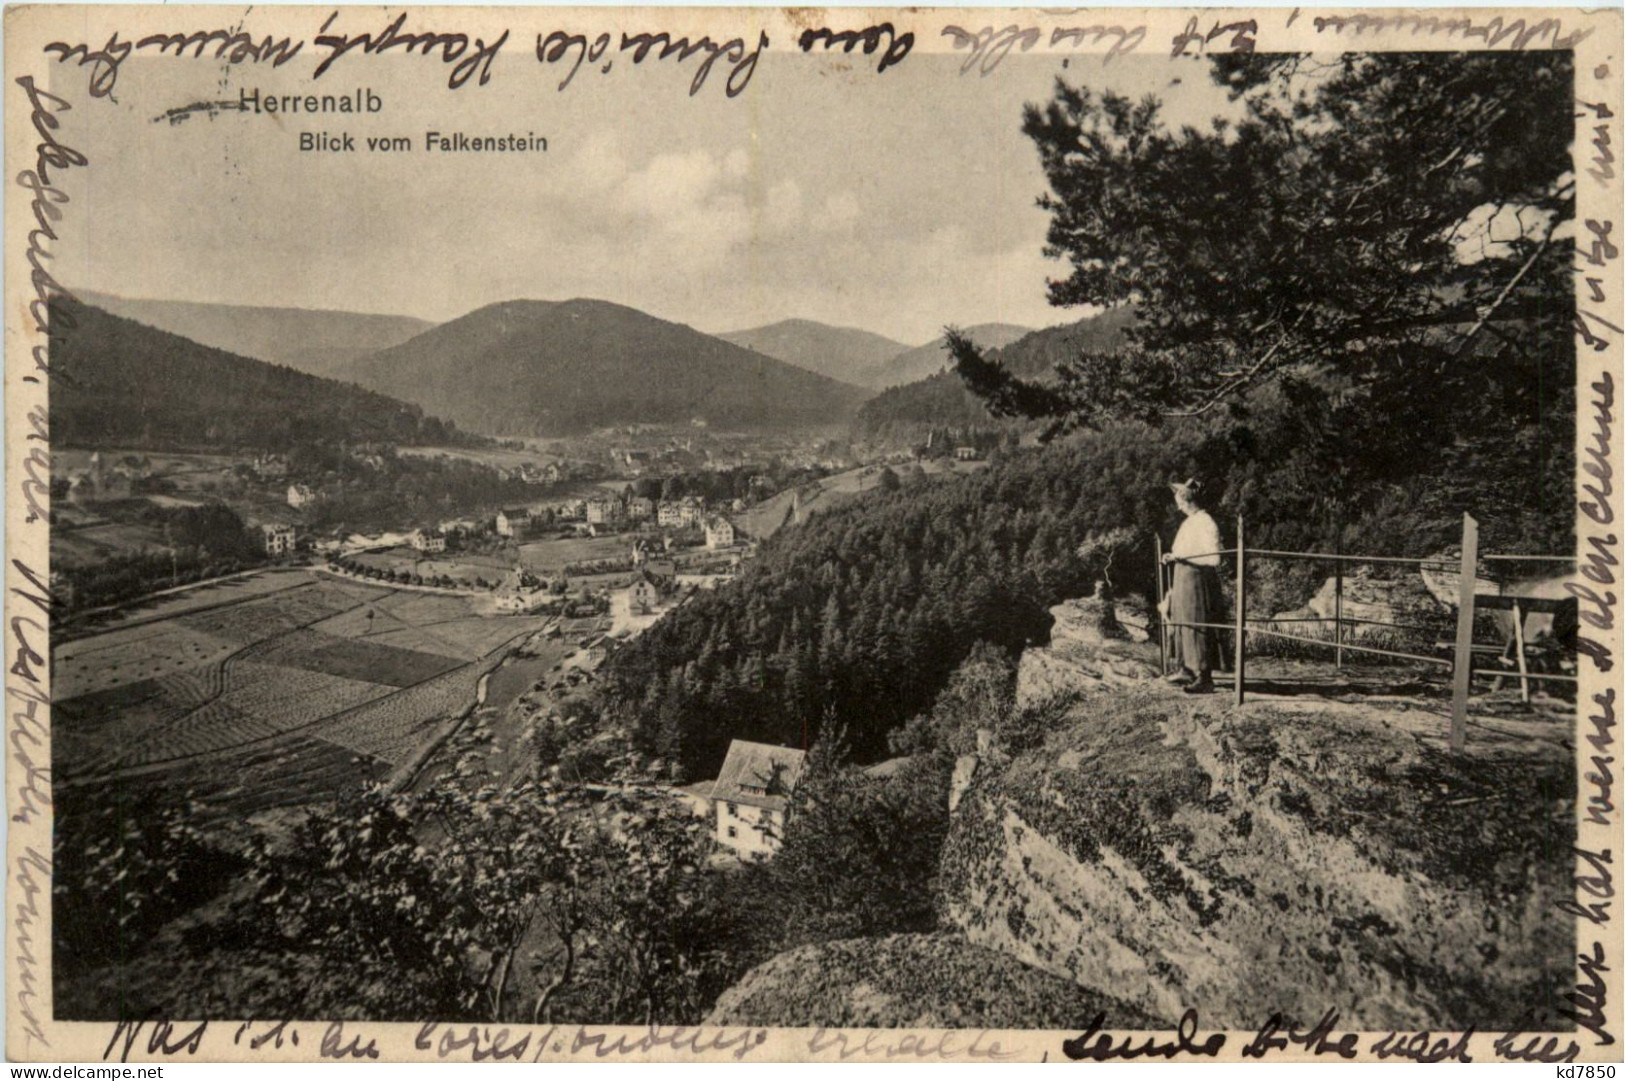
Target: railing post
{"x": 1523, "y": 662}
{"x": 1337, "y": 612}
{"x": 1162, "y": 617}
{"x": 1241, "y": 613}
{"x": 1464, "y": 633}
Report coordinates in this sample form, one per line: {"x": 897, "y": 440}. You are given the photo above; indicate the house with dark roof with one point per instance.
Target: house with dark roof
{"x": 752, "y": 794}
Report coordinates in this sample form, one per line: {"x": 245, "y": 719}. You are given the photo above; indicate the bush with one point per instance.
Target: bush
{"x": 859, "y": 854}
{"x": 124, "y": 868}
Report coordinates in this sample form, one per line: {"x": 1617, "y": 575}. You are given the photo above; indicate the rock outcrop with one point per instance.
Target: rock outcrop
{"x": 1183, "y": 853}
{"x": 1369, "y": 602}
{"x": 911, "y": 981}
{"x": 1088, "y": 647}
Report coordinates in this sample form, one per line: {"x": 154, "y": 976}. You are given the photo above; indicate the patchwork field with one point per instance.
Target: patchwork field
{"x": 265, "y": 699}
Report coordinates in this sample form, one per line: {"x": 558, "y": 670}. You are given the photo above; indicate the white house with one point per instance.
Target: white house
{"x": 719, "y": 533}
{"x": 429, "y": 540}
{"x": 752, "y": 794}
{"x": 648, "y": 590}
{"x": 512, "y": 521}
{"x": 279, "y": 539}
{"x": 603, "y": 510}
{"x": 301, "y": 495}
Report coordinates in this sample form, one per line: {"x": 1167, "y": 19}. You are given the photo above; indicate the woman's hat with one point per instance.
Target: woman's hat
{"x": 1189, "y": 488}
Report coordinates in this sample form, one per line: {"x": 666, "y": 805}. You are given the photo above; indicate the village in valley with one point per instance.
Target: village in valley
{"x": 600, "y": 539}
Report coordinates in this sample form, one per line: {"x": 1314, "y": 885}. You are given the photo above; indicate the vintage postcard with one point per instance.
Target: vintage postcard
{"x": 542, "y": 534}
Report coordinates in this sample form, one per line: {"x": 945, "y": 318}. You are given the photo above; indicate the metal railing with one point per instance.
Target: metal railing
{"x": 1469, "y": 600}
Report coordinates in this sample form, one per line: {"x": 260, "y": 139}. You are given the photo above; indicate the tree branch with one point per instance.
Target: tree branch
{"x": 1244, "y": 377}
{"x": 1501, "y": 297}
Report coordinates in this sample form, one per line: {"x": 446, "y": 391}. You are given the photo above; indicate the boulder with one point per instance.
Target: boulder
{"x": 1279, "y": 858}
{"x": 1086, "y": 648}
{"x": 911, "y": 981}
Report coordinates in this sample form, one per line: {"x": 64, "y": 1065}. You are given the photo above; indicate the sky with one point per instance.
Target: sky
{"x": 898, "y": 203}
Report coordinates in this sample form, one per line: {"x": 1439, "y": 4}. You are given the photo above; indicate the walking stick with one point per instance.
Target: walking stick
{"x": 1162, "y": 616}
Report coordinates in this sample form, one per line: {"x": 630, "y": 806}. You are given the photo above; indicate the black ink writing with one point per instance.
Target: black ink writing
{"x": 603, "y": 1045}
{"x": 45, "y": 203}
{"x": 481, "y": 1043}
{"x": 1494, "y": 31}
{"x": 1097, "y": 1046}
{"x": 1599, "y": 804}
{"x": 454, "y": 48}
{"x": 25, "y": 914}
{"x": 1317, "y": 1039}
{"x": 334, "y": 1045}
{"x": 744, "y": 64}
{"x": 1241, "y": 36}
{"x": 277, "y": 1035}
{"x": 1531, "y": 1049}
{"x": 1599, "y": 886}
{"x": 897, "y": 48}
{"x": 1602, "y": 142}
{"x": 1423, "y": 1047}
{"x": 1590, "y": 996}
{"x": 162, "y": 1039}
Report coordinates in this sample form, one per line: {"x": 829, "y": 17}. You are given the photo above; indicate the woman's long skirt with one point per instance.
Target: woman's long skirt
{"x": 1196, "y": 598}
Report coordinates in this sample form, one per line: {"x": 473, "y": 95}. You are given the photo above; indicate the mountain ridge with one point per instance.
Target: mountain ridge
{"x": 850, "y": 354}
{"x": 523, "y": 367}
{"x": 119, "y": 382}
{"x": 318, "y": 341}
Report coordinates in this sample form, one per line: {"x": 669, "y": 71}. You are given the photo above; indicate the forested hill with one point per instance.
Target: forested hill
{"x": 905, "y": 413}
{"x": 117, "y": 382}
{"x": 862, "y": 613}
{"x": 530, "y": 367}
{"x": 921, "y": 361}
{"x": 317, "y": 341}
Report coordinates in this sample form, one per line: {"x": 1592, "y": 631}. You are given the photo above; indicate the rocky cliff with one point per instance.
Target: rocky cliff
{"x": 1297, "y": 854}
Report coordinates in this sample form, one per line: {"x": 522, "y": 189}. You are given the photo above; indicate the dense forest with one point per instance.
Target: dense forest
{"x": 116, "y": 382}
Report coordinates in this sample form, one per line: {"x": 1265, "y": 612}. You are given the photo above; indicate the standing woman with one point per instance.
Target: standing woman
{"x": 1195, "y": 596}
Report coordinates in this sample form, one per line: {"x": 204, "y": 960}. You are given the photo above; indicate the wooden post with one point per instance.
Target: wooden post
{"x": 1464, "y": 633}
{"x": 1337, "y": 612}
{"x": 1523, "y": 662}
{"x": 1162, "y": 617}
{"x": 1241, "y": 613}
